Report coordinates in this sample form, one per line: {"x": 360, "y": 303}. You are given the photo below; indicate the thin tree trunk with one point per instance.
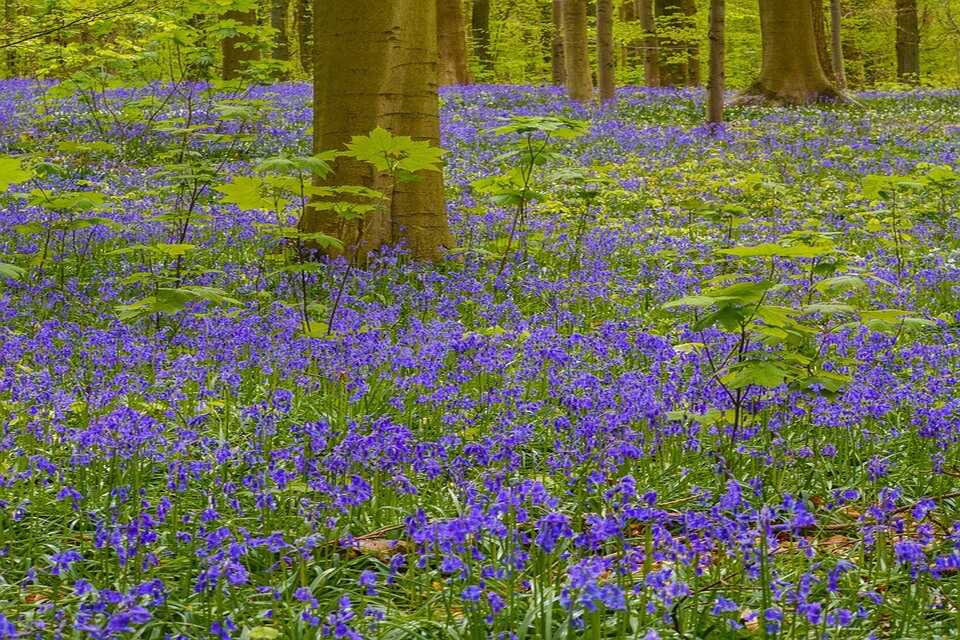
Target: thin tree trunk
{"x": 576, "y": 51}
{"x": 717, "y": 77}
{"x": 605, "y": 59}
{"x": 376, "y": 66}
{"x": 278, "y": 20}
{"x": 480, "y": 34}
{"x": 908, "y": 42}
{"x": 558, "y": 72}
{"x": 452, "y": 43}
{"x": 239, "y": 50}
{"x": 304, "y": 17}
{"x": 836, "y": 43}
{"x": 651, "y": 47}
{"x": 9, "y": 12}
{"x": 693, "y": 47}
{"x": 628, "y": 14}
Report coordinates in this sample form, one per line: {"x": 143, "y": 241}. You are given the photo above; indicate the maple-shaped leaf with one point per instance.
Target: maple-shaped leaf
{"x": 11, "y": 172}
{"x": 245, "y": 192}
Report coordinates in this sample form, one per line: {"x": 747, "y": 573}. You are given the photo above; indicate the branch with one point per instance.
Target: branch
{"x": 82, "y": 19}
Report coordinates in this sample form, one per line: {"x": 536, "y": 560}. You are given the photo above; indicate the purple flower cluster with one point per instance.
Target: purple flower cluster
{"x": 474, "y": 449}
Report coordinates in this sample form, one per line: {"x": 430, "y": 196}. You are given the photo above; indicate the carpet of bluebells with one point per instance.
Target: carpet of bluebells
{"x": 520, "y": 443}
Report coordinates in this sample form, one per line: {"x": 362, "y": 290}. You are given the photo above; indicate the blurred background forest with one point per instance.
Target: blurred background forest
{"x": 507, "y": 41}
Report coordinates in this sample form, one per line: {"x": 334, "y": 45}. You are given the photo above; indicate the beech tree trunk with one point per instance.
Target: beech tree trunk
{"x": 628, "y": 14}
{"x": 605, "y": 59}
{"x": 480, "y": 34}
{"x": 791, "y": 72}
{"x": 9, "y": 12}
{"x": 836, "y": 43}
{"x": 239, "y": 50}
{"x": 278, "y": 20}
{"x": 651, "y": 44}
{"x": 452, "y": 42}
{"x": 576, "y": 53}
{"x": 678, "y": 51}
{"x": 376, "y": 65}
{"x": 304, "y": 19}
{"x": 558, "y": 72}
{"x": 716, "y": 80}
{"x": 908, "y": 42}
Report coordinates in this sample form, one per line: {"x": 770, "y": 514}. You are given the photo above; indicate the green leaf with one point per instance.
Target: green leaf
{"x": 11, "y": 172}
{"x": 756, "y": 372}
{"x": 777, "y": 250}
{"x": 174, "y": 250}
{"x": 12, "y": 271}
{"x": 263, "y": 633}
{"x": 727, "y": 317}
{"x": 840, "y": 284}
{"x": 391, "y": 153}
{"x": 245, "y": 192}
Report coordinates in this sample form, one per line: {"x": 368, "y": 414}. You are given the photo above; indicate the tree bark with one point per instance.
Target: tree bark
{"x": 820, "y": 35}
{"x": 693, "y": 47}
{"x": 605, "y": 60}
{"x": 278, "y": 20}
{"x": 9, "y": 12}
{"x": 791, "y": 72}
{"x": 836, "y": 43}
{"x": 651, "y": 43}
{"x": 575, "y": 50}
{"x": 452, "y": 43}
{"x": 304, "y": 19}
{"x": 716, "y": 80}
{"x": 376, "y": 65}
{"x": 628, "y": 14}
{"x": 480, "y": 34}
{"x": 558, "y": 72}
{"x": 908, "y": 42}
{"x": 239, "y": 50}
{"x": 679, "y": 52}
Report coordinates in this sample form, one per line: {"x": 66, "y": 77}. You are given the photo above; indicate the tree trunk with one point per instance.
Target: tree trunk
{"x": 820, "y": 35}
{"x": 693, "y": 47}
{"x": 651, "y": 45}
{"x": 576, "y": 52}
{"x": 9, "y": 12}
{"x": 716, "y": 34}
{"x": 628, "y": 14}
{"x": 376, "y": 65}
{"x": 239, "y": 50}
{"x": 452, "y": 42}
{"x": 679, "y": 52}
{"x": 908, "y": 42}
{"x": 480, "y": 34}
{"x": 791, "y": 72}
{"x": 278, "y": 20}
{"x": 836, "y": 43}
{"x": 605, "y": 61}
{"x": 304, "y": 18}
{"x": 558, "y": 72}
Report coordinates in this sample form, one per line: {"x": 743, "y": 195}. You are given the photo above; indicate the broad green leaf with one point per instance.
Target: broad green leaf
{"x": 388, "y": 152}
{"x": 245, "y": 192}
{"x": 174, "y": 250}
{"x": 266, "y": 633}
{"x": 756, "y": 372}
{"x": 11, "y": 172}
{"x": 771, "y": 250}
{"x": 12, "y": 271}
{"x": 840, "y": 284}
{"x": 727, "y": 317}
